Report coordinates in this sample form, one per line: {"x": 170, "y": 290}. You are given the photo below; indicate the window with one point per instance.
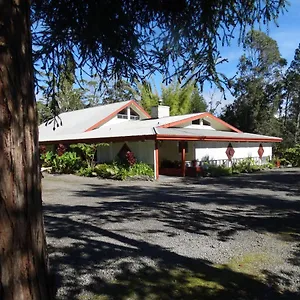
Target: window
{"x": 196, "y": 122}
{"x": 121, "y": 116}
{"x": 206, "y": 123}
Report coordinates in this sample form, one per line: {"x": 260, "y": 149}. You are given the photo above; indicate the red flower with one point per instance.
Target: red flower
{"x": 61, "y": 149}
{"x": 131, "y": 160}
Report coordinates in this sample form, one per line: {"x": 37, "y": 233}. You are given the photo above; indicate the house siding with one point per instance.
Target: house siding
{"x": 143, "y": 151}
{"x": 217, "y": 150}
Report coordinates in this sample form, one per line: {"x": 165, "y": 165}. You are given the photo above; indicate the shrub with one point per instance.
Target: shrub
{"x": 87, "y": 172}
{"x": 47, "y": 159}
{"x": 67, "y": 163}
{"x": 246, "y": 165}
{"x": 61, "y": 149}
{"x": 130, "y": 159}
{"x": 216, "y": 171}
{"x": 87, "y": 152}
{"x": 291, "y": 156}
{"x": 141, "y": 169}
{"x": 121, "y": 172}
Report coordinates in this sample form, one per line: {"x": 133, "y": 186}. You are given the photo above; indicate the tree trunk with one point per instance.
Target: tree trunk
{"x": 23, "y": 259}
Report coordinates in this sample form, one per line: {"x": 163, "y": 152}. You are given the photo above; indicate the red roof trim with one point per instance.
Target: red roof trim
{"x": 103, "y": 140}
{"x": 202, "y": 115}
{"x": 215, "y": 138}
{"x": 131, "y": 102}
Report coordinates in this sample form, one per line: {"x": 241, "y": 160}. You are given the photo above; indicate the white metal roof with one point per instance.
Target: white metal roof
{"x": 77, "y": 122}
{"x": 205, "y": 133}
{"x": 80, "y": 120}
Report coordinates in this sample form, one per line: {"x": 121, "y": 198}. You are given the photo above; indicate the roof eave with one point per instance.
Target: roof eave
{"x": 216, "y": 139}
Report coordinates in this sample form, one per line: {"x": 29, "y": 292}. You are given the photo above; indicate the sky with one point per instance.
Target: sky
{"x": 287, "y": 35}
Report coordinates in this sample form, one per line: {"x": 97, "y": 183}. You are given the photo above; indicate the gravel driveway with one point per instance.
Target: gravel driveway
{"x": 205, "y": 238}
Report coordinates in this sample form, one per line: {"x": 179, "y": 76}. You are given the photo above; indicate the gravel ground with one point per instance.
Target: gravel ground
{"x": 99, "y": 230}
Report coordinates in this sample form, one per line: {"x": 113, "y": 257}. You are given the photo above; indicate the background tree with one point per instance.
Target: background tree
{"x": 148, "y": 95}
{"x": 43, "y": 111}
{"x": 120, "y": 90}
{"x": 178, "y": 98}
{"x": 92, "y": 93}
{"x": 63, "y": 97}
{"x": 123, "y": 39}
{"x": 292, "y": 101}
{"x": 258, "y": 87}
{"x": 198, "y": 103}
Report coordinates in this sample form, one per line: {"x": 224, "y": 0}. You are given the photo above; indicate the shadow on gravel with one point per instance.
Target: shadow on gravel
{"x": 181, "y": 207}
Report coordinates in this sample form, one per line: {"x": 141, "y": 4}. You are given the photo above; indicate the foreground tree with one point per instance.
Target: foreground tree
{"x": 23, "y": 260}
{"x": 116, "y": 38}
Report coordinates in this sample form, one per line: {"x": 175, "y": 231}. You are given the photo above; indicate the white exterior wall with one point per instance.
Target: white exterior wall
{"x": 195, "y": 126}
{"x": 143, "y": 151}
{"x": 217, "y": 150}
{"x": 115, "y": 120}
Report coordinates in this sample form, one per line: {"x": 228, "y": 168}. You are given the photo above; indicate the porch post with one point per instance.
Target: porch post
{"x": 182, "y": 158}
{"x": 156, "y": 161}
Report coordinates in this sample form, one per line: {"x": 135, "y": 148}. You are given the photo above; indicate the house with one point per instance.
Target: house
{"x": 157, "y": 139}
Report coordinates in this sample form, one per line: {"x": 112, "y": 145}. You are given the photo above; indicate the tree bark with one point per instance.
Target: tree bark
{"x": 23, "y": 257}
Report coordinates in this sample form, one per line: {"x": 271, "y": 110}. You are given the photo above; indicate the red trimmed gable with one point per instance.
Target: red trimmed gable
{"x": 200, "y": 116}
{"x": 110, "y": 116}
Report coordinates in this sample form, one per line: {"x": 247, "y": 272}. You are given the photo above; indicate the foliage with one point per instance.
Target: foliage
{"x": 87, "y": 172}
{"x": 140, "y": 169}
{"x": 178, "y": 98}
{"x": 61, "y": 149}
{"x": 181, "y": 99}
{"x": 67, "y": 163}
{"x": 216, "y": 171}
{"x": 87, "y": 152}
{"x": 133, "y": 39}
{"x": 291, "y": 156}
{"x": 59, "y": 94}
{"x": 130, "y": 158}
{"x": 92, "y": 93}
{"x": 117, "y": 91}
{"x": 44, "y": 112}
{"x": 291, "y": 102}
{"x": 246, "y": 165}
{"x": 198, "y": 103}
{"x": 47, "y": 159}
{"x": 148, "y": 97}
{"x": 258, "y": 88}
{"x": 121, "y": 172}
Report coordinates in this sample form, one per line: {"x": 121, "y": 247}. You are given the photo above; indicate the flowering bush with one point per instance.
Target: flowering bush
{"x": 42, "y": 149}
{"x": 61, "y": 149}
{"x": 130, "y": 159}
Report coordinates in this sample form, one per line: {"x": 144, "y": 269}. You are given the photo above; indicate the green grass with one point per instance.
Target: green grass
{"x": 240, "y": 278}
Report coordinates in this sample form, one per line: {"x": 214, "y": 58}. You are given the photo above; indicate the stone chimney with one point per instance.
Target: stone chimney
{"x": 160, "y": 111}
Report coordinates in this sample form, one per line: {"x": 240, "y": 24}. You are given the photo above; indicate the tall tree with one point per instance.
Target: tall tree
{"x": 117, "y": 91}
{"x": 116, "y": 38}
{"x": 43, "y": 111}
{"x": 178, "y": 98}
{"x": 198, "y": 103}
{"x": 23, "y": 263}
{"x": 258, "y": 88}
{"x": 148, "y": 95}
{"x": 92, "y": 93}
{"x": 60, "y": 93}
{"x": 292, "y": 99}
